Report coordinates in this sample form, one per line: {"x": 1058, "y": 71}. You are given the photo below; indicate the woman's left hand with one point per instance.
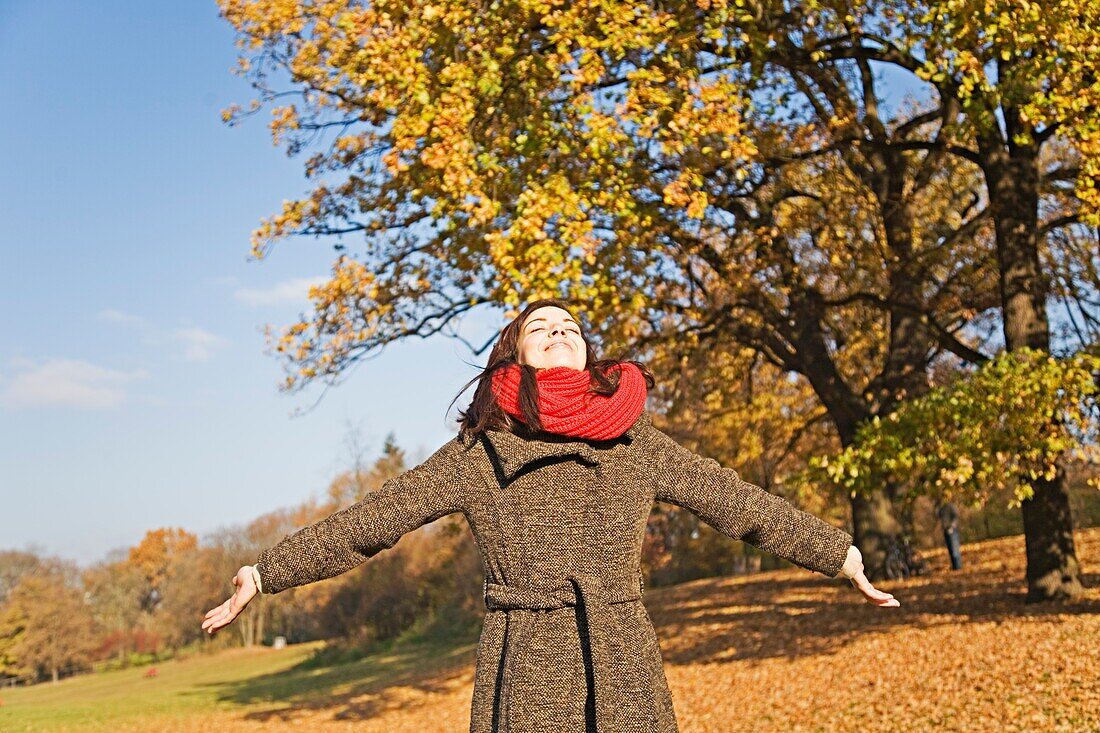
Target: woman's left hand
{"x": 873, "y": 594}
{"x": 853, "y": 570}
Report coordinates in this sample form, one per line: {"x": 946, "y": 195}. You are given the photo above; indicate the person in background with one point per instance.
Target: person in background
{"x": 949, "y": 520}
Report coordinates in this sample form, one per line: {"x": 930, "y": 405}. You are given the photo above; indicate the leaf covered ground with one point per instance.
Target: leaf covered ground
{"x": 785, "y": 650}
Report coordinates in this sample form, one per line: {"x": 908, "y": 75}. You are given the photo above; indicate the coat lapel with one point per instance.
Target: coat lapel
{"x": 512, "y": 452}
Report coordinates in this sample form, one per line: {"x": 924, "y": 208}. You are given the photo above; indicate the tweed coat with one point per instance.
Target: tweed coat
{"x": 566, "y": 644}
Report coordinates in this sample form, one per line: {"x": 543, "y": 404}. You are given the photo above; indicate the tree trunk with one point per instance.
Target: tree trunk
{"x": 875, "y": 528}
{"x": 873, "y": 522}
{"x": 246, "y": 622}
{"x": 1052, "y": 569}
{"x": 55, "y": 674}
{"x": 261, "y": 614}
{"x": 1012, "y": 176}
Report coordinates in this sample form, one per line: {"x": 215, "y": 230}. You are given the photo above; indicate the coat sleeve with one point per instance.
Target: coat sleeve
{"x": 341, "y": 541}
{"x": 744, "y": 511}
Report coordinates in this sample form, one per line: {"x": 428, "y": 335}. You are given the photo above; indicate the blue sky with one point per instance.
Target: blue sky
{"x": 134, "y": 388}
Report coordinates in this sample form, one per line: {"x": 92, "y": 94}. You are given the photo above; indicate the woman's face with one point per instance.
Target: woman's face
{"x": 550, "y": 338}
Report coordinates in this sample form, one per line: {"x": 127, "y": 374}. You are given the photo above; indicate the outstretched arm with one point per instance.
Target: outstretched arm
{"x": 744, "y": 511}
{"x": 341, "y": 541}
{"x": 437, "y": 487}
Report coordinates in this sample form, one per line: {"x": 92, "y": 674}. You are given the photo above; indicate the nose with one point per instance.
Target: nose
{"x": 557, "y": 329}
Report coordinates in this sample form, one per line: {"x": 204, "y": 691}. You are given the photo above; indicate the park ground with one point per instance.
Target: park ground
{"x": 784, "y": 650}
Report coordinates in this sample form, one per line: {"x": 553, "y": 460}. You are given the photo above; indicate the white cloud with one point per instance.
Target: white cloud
{"x": 288, "y": 291}
{"x": 117, "y": 316}
{"x": 67, "y": 383}
{"x": 198, "y": 344}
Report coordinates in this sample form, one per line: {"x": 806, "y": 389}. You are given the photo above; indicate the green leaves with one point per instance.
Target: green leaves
{"x": 988, "y": 432}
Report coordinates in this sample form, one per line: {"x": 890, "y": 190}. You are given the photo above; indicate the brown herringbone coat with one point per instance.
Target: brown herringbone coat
{"x": 566, "y": 646}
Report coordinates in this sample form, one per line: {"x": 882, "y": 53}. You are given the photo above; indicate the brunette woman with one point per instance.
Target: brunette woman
{"x": 556, "y": 467}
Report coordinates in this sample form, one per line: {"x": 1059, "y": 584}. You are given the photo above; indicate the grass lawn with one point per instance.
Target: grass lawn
{"x": 784, "y": 650}
{"x": 179, "y": 690}
{"x": 241, "y": 689}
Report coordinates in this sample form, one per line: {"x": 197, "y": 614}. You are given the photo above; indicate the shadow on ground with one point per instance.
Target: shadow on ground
{"x": 367, "y": 688}
{"x": 787, "y": 613}
{"x": 790, "y": 613}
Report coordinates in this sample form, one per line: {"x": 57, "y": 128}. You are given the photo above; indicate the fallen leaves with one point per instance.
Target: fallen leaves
{"x": 790, "y": 651}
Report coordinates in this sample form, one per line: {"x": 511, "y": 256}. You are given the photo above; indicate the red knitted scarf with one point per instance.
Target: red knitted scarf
{"x": 568, "y": 408}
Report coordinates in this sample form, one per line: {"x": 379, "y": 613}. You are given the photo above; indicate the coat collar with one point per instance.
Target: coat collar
{"x": 512, "y": 452}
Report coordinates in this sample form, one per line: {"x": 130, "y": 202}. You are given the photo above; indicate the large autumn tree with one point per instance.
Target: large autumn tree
{"x": 1024, "y": 73}
{"x": 1014, "y": 87}
{"x": 630, "y": 157}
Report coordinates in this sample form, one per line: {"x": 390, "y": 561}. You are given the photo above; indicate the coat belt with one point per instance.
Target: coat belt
{"x": 611, "y": 668}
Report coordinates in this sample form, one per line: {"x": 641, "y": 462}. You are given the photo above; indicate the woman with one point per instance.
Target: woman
{"x": 556, "y": 468}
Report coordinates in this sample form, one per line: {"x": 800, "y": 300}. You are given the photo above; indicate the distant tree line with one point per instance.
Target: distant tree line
{"x": 146, "y": 602}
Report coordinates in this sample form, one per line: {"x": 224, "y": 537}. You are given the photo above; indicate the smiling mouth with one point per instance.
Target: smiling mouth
{"x": 555, "y": 345}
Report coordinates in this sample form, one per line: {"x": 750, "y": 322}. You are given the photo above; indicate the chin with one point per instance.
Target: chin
{"x": 554, "y": 363}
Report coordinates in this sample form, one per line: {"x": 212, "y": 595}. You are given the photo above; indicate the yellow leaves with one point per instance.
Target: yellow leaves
{"x": 158, "y": 549}
{"x": 532, "y": 143}
{"x": 293, "y": 215}
{"x": 1049, "y": 60}
{"x": 283, "y": 118}
{"x": 697, "y": 207}
{"x": 686, "y": 191}
{"x": 372, "y": 61}
{"x": 393, "y": 162}
{"x": 676, "y": 193}
{"x": 350, "y": 143}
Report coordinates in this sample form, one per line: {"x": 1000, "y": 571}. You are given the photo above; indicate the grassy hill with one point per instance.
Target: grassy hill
{"x": 780, "y": 651}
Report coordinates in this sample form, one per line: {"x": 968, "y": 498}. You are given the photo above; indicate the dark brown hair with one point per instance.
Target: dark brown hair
{"x": 484, "y": 413}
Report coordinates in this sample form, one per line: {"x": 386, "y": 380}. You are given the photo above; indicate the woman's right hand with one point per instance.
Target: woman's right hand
{"x": 224, "y": 614}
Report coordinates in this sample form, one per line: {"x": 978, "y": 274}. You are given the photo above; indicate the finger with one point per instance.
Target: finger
{"x": 218, "y": 617}
{"x": 223, "y": 611}
{"x": 217, "y": 609}
{"x": 879, "y": 598}
{"x": 876, "y": 594}
{"x": 218, "y": 622}
{"x": 213, "y": 619}
{"x": 865, "y": 586}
